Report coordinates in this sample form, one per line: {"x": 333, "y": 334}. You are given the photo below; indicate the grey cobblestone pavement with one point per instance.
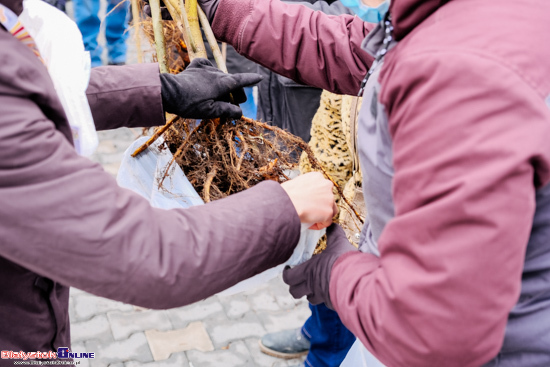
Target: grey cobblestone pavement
{"x": 219, "y": 331}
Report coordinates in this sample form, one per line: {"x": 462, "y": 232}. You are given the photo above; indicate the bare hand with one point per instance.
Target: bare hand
{"x": 313, "y": 199}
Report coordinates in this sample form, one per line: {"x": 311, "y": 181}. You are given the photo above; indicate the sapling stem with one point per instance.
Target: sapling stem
{"x": 136, "y": 18}
{"x": 160, "y": 44}
{"x": 193, "y": 18}
{"x": 220, "y": 61}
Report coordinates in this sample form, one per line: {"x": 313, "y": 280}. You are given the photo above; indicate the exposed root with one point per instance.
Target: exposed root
{"x": 209, "y": 177}
{"x": 222, "y": 157}
{"x": 154, "y": 137}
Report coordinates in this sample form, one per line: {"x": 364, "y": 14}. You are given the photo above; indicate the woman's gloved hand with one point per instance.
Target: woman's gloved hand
{"x": 312, "y": 278}
{"x": 202, "y": 91}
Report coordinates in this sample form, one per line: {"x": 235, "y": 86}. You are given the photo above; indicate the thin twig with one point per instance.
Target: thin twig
{"x": 180, "y": 151}
{"x": 220, "y": 60}
{"x": 154, "y": 137}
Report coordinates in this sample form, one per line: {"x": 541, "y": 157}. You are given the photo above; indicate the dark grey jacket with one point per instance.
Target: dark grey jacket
{"x": 235, "y": 63}
{"x": 65, "y": 222}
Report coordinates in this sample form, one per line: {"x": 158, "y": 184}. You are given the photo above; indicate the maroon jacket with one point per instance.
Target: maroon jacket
{"x": 453, "y": 138}
{"x": 65, "y": 222}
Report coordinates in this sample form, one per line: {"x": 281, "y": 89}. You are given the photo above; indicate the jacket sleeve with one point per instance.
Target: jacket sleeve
{"x": 64, "y": 218}
{"x": 125, "y": 96}
{"x": 292, "y": 40}
{"x": 466, "y": 172}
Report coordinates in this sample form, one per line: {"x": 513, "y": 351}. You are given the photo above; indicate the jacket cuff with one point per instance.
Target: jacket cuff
{"x": 343, "y": 271}
{"x": 273, "y": 198}
{"x": 125, "y": 96}
{"x": 230, "y": 28}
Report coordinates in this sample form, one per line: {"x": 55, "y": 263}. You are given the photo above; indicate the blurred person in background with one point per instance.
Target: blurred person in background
{"x": 86, "y": 15}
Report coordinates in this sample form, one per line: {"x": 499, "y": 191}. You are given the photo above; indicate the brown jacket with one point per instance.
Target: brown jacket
{"x": 65, "y": 222}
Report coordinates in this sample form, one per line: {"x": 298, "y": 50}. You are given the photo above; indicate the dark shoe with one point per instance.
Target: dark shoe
{"x": 117, "y": 63}
{"x": 285, "y": 344}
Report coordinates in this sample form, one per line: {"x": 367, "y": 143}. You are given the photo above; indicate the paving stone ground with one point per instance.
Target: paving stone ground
{"x": 221, "y": 331}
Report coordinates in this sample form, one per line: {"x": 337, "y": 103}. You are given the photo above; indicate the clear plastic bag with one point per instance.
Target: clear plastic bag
{"x": 142, "y": 175}
{"x": 60, "y": 44}
{"x": 359, "y": 356}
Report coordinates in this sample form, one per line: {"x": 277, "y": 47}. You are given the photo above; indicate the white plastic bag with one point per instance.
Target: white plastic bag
{"x": 60, "y": 44}
{"x": 142, "y": 175}
{"x": 359, "y": 356}
{"x": 303, "y": 252}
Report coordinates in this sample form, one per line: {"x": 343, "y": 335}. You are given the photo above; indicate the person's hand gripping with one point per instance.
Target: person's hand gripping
{"x": 312, "y": 278}
{"x": 313, "y": 199}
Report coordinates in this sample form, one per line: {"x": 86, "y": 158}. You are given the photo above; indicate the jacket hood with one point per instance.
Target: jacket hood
{"x": 407, "y": 14}
{"x": 14, "y": 5}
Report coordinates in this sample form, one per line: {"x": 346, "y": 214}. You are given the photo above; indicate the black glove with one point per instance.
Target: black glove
{"x": 202, "y": 91}
{"x": 312, "y": 278}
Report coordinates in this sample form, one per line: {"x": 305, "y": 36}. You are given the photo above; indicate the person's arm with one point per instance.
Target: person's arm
{"x": 66, "y": 219}
{"x": 307, "y": 46}
{"x": 126, "y": 96}
{"x": 138, "y": 95}
{"x": 468, "y": 155}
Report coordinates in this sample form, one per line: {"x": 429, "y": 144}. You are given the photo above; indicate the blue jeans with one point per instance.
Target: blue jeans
{"x": 330, "y": 339}
{"x": 116, "y": 23}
